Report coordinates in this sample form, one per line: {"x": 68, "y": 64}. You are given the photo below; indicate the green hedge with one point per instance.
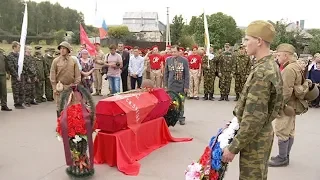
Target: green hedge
{"x": 30, "y": 39}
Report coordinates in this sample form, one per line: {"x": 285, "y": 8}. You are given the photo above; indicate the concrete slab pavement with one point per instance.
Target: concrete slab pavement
{"x": 30, "y": 151}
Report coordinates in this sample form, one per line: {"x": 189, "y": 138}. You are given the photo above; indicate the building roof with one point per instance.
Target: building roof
{"x": 139, "y": 15}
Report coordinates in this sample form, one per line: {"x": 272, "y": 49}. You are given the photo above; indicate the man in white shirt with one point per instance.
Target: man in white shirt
{"x": 136, "y": 67}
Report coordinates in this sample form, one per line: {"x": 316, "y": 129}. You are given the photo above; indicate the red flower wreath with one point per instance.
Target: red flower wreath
{"x": 76, "y": 122}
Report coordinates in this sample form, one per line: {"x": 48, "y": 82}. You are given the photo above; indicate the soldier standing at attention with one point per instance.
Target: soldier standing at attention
{"x": 64, "y": 72}
{"x": 260, "y": 103}
{"x": 293, "y": 76}
{"x": 98, "y": 60}
{"x": 242, "y": 70}
{"x": 17, "y": 84}
{"x": 48, "y": 58}
{"x": 40, "y": 74}
{"x": 30, "y": 75}
{"x": 176, "y": 76}
{"x": 225, "y": 70}
{"x": 3, "y": 81}
{"x": 209, "y": 76}
{"x": 195, "y": 72}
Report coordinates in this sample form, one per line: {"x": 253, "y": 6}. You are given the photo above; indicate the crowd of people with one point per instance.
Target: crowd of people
{"x": 269, "y": 85}
{"x": 129, "y": 66}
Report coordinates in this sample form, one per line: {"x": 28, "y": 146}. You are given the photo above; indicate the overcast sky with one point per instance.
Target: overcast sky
{"x": 243, "y": 11}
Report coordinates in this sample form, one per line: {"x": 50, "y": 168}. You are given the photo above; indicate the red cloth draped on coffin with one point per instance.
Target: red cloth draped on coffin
{"x": 124, "y": 148}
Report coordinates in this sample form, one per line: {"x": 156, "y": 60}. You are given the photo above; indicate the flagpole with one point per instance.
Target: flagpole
{"x": 23, "y": 40}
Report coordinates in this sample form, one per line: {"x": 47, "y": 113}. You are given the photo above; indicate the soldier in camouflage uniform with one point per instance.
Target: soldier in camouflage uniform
{"x": 48, "y": 58}
{"x": 3, "y": 81}
{"x": 242, "y": 70}
{"x": 40, "y": 75}
{"x": 225, "y": 70}
{"x": 209, "y": 76}
{"x": 29, "y": 72}
{"x": 260, "y": 103}
{"x": 17, "y": 83}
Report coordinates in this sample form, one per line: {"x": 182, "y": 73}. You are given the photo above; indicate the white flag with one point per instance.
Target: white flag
{"x": 206, "y": 34}
{"x": 23, "y": 40}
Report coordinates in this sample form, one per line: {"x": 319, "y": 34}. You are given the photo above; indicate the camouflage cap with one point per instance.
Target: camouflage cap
{"x": 285, "y": 47}
{"x": 262, "y": 29}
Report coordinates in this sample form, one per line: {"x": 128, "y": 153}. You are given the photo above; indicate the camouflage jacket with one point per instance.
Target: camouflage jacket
{"x": 260, "y": 103}
{"x": 48, "y": 58}
{"x": 12, "y": 60}
{"x": 40, "y": 66}
{"x": 29, "y": 67}
{"x": 242, "y": 65}
{"x": 226, "y": 62}
{"x": 211, "y": 68}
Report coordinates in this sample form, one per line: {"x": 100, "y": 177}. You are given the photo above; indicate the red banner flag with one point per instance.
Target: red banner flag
{"x": 85, "y": 40}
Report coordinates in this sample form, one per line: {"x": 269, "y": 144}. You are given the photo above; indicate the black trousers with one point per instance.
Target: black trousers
{"x": 124, "y": 80}
{"x": 134, "y": 81}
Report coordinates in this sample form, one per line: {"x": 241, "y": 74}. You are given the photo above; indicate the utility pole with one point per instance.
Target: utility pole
{"x": 168, "y": 38}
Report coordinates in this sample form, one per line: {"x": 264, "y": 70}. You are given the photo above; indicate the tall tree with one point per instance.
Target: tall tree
{"x": 176, "y": 29}
{"x": 222, "y": 29}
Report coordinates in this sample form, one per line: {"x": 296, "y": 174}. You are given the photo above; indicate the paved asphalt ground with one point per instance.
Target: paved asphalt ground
{"x": 30, "y": 151}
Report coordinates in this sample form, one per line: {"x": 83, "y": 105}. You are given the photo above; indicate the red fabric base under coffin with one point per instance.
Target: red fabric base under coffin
{"x": 124, "y": 148}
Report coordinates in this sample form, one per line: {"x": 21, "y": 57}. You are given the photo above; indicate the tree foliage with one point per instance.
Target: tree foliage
{"x": 314, "y": 45}
{"x": 118, "y": 32}
{"x": 176, "y": 29}
{"x": 44, "y": 17}
{"x": 222, "y": 29}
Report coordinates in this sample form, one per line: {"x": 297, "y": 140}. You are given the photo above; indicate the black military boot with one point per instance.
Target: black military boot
{"x": 282, "y": 159}
{"x": 211, "y": 98}
{"x": 19, "y": 106}
{"x": 5, "y": 108}
{"x": 205, "y": 97}
{"x": 237, "y": 97}
{"x": 221, "y": 98}
{"x": 43, "y": 99}
{"x": 226, "y": 98}
{"x": 33, "y": 102}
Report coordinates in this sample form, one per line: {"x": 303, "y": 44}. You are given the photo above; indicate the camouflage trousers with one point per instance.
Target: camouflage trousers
{"x": 240, "y": 80}
{"x": 18, "y": 90}
{"x": 29, "y": 91}
{"x": 48, "y": 89}
{"x": 39, "y": 90}
{"x": 225, "y": 83}
{"x": 3, "y": 90}
{"x": 255, "y": 156}
{"x": 208, "y": 82}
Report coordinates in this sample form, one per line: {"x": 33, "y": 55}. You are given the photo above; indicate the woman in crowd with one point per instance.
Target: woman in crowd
{"x": 314, "y": 75}
{"x": 87, "y": 70}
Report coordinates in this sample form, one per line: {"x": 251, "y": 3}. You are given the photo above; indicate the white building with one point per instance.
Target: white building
{"x": 145, "y": 25}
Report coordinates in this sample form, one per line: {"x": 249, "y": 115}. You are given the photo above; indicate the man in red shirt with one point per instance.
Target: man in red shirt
{"x": 195, "y": 61}
{"x": 156, "y": 66}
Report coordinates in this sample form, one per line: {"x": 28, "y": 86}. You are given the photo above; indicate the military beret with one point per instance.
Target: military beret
{"x": 284, "y": 47}
{"x": 195, "y": 47}
{"x": 37, "y": 47}
{"x": 262, "y": 29}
